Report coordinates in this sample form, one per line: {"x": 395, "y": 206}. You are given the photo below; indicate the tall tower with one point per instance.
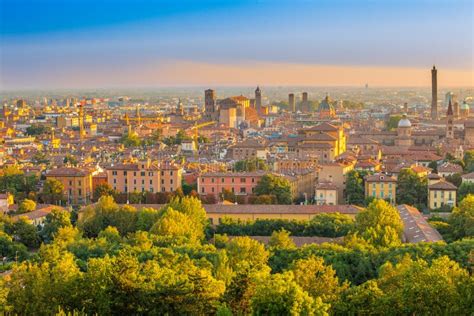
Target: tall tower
{"x": 258, "y": 99}
{"x": 304, "y": 103}
{"x": 449, "y": 121}
{"x": 434, "y": 93}
{"x": 291, "y": 102}
{"x": 81, "y": 120}
{"x": 209, "y": 101}
{"x": 137, "y": 115}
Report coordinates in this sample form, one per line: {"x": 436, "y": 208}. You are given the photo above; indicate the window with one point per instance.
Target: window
{"x": 126, "y": 181}
{"x": 171, "y": 181}
{"x": 150, "y": 174}
{"x": 212, "y": 180}
{"x": 134, "y": 181}
{"x": 242, "y": 190}
{"x": 243, "y": 180}
{"x": 171, "y": 172}
{"x": 212, "y": 189}
{"x": 125, "y": 173}
{"x": 151, "y": 181}
{"x": 162, "y": 173}
{"x": 115, "y": 181}
{"x": 70, "y": 182}
{"x": 203, "y": 190}
{"x": 125, "y": 189}
{"x": 202, "y": 180}
{"x": 151, "y": 189}
{"x": 232, "y": 180}
{"x": 142, "y": 173}
{"x": 143, "y": 181}
{"x": 134, "y": 173}
{"x": 222, "y": 180}
{"x": 381, "y": 194}
{"x": 162, "y": 181}
{"x": 253, "y": 180}
{"x": 114, "y": 173}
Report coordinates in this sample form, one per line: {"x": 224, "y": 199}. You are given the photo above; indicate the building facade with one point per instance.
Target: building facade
{"x": 145, "y": 176}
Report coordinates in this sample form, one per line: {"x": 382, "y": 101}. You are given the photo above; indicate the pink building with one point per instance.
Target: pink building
{"x": 240, "y": 183}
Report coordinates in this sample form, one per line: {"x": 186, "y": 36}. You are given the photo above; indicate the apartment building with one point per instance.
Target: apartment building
{"x": 145, "y": 176}
{"x": 381, "y": 186}
{"x": 77, "y": 183}
{"x": 240, "y": 183}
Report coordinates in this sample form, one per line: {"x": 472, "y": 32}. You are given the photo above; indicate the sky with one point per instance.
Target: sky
{"x": 146, "y": 43}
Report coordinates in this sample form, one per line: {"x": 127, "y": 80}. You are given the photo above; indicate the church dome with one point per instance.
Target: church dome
{"x": 464, "y": 106}
{"x": 404, "y": 122}
{"x": 325, "y": 104}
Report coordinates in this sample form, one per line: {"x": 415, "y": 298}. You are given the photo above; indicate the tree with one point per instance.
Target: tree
{"x": 380, "y": 224}
{"x": 433, "y": 165}
{"x": 101, "y": 190}
{"x": 355, "y": 190}
{"x": 462, "y": 218}
{"x": 392, "y": 122}
{"x": 55, "y": 220}
{"x": 146, "y": 218}
{"x": 26, "y": 206}
{"x": 52, "y": 191}
{"x": 130, "y": 140}
{"x": 329, "y": 225}
{"x": 469, "y": 161}
{"x": 70, "y": 160}
{"x": 36, "y": 129}
{"x": 275, "y": 185}
{"x": 107, "y": 213}
{"x": 26, "y": 233}
{"x": 253, "y": 164}
{"x": 176, "y": 225}
{"x": 411, "y": 279}
{"x": 455, "y": 179}
{"x": 464, "y": 189}
{"x": 245, "y": 253}
{"x": 279, "y": 294}
{"x": 228, "y": 195}
{"x": 318, "y": 279}
{"x": 281, "y": 239}
{"x": 411, "y": 189}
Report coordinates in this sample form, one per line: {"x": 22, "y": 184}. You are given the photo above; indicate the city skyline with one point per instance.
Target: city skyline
{"x": 158, "y": 43}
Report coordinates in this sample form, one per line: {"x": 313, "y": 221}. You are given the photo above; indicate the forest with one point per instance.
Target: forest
{"x": 119, "y": 260}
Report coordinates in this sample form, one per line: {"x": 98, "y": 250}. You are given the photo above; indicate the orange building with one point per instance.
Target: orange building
{"x": 145, "y": 176}
{"x": 77, "y": 183}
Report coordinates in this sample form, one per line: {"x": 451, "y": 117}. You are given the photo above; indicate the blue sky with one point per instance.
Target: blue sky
{"x": 63, "y": 42}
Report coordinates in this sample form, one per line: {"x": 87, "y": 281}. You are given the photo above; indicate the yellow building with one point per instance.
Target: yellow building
{"x": 381, "y": 186}
{"x": 250, "y": 212}
{"x": 145, "y": 176}
{"x": 77, "y": 183}
{"x": 327, "y": 134}
{"x": 440, "y": 194}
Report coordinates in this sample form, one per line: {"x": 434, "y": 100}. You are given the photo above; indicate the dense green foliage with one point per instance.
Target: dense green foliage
{"x": 322, "y": 225}
{"x": 14, "y": 180}
{"x": 124, "y": 261}
{"x": 465, "y": 189}
{"x": 355, "y": 187}
{"x": 275, "y": 185}
{"x": 392, "y": 122}
{"x": 412, "y": 189}
{"x": 250, "y": 165}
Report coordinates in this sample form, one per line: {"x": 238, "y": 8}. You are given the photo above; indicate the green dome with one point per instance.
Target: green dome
{"x": 464, "y": 106}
